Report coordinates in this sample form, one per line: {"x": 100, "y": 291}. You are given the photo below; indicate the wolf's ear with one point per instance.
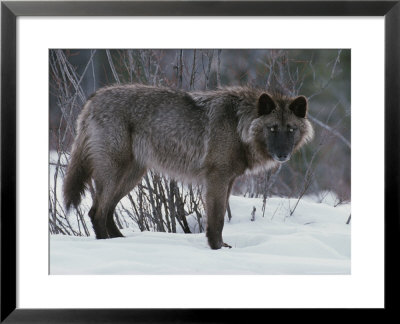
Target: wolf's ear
{"x": 299, "y": 106}
{"x": 265, "y": 104}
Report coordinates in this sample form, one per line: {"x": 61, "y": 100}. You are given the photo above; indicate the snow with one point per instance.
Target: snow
{"x": 315, "y": 239}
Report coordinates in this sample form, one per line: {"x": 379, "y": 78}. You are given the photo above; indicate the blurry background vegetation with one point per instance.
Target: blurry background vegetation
{"x": 321, "y": 167}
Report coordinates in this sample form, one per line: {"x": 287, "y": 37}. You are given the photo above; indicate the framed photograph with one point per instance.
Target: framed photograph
{"x": 187, "y": 161}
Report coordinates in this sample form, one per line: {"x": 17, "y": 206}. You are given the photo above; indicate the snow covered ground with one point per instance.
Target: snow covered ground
{"x": 314, "y": 240}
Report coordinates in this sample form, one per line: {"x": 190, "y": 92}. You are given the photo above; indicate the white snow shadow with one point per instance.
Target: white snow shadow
{"x": 314, "y": 240}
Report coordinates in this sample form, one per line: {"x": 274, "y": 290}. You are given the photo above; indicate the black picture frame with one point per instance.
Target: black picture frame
{"x": 9, "y": 13}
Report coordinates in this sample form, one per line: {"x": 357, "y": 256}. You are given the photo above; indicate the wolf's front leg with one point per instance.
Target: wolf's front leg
{"x": 216, "y": 192}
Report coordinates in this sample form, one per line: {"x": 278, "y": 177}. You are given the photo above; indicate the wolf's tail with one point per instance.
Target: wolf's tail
{"x": 77, "y": 175}
{"x": 78, "y": 171}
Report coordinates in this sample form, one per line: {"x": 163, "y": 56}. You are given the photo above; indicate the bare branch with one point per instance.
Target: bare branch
{"x": 112, "y": 66}
{"x": 331, "y": 130}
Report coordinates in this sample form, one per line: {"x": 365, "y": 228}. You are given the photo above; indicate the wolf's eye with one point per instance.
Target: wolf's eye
{"x": 290, "y": 129}
{"x": 272, "y": 129}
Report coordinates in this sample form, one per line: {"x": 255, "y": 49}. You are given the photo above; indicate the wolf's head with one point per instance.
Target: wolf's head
{"x": 281, "y": 126}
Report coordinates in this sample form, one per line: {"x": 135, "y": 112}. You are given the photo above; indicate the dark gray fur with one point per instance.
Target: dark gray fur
{"x": 204, "y": 137}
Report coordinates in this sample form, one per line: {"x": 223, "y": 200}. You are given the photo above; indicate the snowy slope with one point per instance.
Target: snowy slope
{"x": 314, "y": 240}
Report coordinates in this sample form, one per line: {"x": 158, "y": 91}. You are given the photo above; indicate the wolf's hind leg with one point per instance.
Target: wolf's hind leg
{"x": 112, "y": 228}
{"x": 113, "y": 179}
{"x": 128, "y": 180}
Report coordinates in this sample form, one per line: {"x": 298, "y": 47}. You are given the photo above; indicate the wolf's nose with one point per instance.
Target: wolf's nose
{"x": 282, "y": 157}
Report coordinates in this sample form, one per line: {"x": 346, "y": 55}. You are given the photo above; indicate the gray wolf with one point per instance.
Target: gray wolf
{"x": 209, "y": 137}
